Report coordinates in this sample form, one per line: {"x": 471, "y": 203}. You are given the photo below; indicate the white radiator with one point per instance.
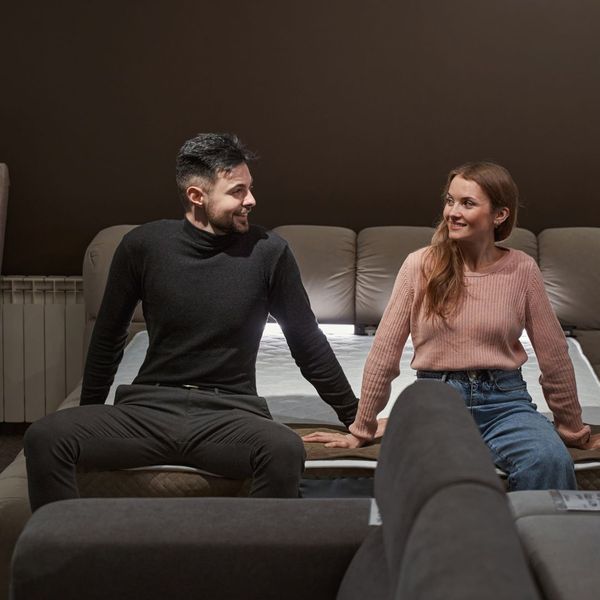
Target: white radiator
{"x": 41, "y": 329}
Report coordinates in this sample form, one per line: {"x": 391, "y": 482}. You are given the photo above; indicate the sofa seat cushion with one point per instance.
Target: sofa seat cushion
{"x": 564, "y": 552}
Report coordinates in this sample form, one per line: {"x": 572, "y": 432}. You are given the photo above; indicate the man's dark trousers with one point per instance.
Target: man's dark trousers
{"x": 229, "y": 435}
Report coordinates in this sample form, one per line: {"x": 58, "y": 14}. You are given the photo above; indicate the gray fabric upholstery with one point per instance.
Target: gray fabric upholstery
{"x": 525, "y": 504}
{"x": 369, "y": 573}
{"x": 447, "y": 533}
{"x": 564, "y": 553}
{"x": 562, "y": 547}
{"x": 153, "y": 549}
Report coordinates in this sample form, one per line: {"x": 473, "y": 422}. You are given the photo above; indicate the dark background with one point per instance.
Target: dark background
{"x": 358, "y": 109}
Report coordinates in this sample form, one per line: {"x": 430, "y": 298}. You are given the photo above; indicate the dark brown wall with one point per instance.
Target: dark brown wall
{"x": 358, "y": 109}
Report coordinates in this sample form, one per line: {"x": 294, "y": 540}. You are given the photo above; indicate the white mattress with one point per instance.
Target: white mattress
{"x": 292, "y": 399}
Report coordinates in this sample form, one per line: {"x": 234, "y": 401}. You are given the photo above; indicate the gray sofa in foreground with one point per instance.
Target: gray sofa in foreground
{"x": 449, "y": 534}
{"x": 445, "y": 534}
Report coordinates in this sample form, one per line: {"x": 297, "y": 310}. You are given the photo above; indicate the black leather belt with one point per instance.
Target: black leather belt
{"x": 187, "y": 386}
{"x": 470, "y": 375}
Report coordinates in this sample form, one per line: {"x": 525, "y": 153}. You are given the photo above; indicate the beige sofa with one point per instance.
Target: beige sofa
{"x": 349, "y": 278}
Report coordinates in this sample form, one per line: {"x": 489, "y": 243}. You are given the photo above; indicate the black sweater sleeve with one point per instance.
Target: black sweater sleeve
{"x": 289, "y": 304}
{"x": 121, "y": 296}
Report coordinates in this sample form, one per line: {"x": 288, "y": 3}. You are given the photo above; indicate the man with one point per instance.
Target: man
{"x": 207, "y": 284}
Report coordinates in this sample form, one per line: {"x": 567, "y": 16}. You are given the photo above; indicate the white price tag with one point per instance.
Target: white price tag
{"x": 374, "y": 514}
{"x": 576, "y": 500}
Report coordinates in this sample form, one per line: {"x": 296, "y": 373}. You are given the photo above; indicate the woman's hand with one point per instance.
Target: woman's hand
{"x": 381, "y": 425}
{"x": 593, "y": 443}
{"x": 333, "y": 440}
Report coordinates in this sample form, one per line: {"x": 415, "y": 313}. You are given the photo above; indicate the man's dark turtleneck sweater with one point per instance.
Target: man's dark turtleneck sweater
{"x": 206, "y": 299}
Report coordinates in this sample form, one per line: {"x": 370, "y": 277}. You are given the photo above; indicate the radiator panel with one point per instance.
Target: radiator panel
{"x": 41, "y": 327}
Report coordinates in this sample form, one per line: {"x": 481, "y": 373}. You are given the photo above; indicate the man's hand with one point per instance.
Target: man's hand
{"x": 593, "y": 443}
{"x": 333, "y": 440}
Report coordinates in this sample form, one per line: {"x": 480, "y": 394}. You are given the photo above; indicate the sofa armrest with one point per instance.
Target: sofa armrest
{"x": 561, "y": 545}
{"x": 188, "y": 548}
{"x": 14, "y": 512}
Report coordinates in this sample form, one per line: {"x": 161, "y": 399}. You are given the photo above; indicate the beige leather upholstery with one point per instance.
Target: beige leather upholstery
{"x": 4, "y": 183}
{"x": 96, "y": 264}
{"x": 327, "y": 258}
{"x": 569, "y": 263}
{"x": 380, "y": 254}
{"x": 349, "y": 277}
{"x": 522, "y": 239}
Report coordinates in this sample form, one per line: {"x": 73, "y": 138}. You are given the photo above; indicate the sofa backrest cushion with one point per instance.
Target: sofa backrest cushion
{"x": 569, "y": 264}
{"x": 96, "y": 264}
{"x": 524, "y": 240}
{"x": 349, "y": 277}
{"x": 4, "y": 183}
{"x": 380, "y": 252}
{"x": 379, "y": 256}
{"x": 326, "y": 257}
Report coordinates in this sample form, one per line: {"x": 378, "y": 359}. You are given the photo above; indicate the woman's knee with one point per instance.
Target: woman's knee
{"x": 554, "y": 458}
{"x": 550, "y": 467}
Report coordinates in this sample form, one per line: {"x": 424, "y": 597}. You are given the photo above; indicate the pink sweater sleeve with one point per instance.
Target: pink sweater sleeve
{"x": 558, "y": 377}
{"x": 383, "y": 363}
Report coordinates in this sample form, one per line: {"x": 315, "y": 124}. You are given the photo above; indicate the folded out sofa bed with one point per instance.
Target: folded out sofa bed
{"x": 349, "y": 278}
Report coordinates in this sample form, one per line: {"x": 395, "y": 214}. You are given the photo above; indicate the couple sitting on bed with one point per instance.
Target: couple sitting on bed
{"x": 207, "y": 284}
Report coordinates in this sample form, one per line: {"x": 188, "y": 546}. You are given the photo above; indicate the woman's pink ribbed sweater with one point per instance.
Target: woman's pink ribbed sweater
{"x": 483, "y": 333}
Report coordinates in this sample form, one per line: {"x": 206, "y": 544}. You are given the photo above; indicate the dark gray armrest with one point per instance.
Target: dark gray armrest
{"x": 188, "y": 548}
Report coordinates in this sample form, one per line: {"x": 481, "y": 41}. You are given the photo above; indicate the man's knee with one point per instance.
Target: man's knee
{"x": 289, "y": 447}
{"x": 284, "y": 450}
{"x": 44, "y": 435}
{"x": 37, "y": 437}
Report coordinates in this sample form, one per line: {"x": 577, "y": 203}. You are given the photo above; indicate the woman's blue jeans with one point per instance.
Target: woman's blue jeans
{"x": 522, "y": 441}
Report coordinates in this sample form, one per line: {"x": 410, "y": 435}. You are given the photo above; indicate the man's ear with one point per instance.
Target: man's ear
{"x": 195, "y": 195}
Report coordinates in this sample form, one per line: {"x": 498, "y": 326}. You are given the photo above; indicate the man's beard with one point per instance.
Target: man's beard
{"x": 228, "y": 223}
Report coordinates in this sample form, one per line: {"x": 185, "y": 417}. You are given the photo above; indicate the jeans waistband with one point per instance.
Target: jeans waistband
{"x": 469, "y": 375}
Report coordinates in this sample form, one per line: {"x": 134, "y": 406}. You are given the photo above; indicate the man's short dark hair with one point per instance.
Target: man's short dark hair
{"x": 205, "y": 156}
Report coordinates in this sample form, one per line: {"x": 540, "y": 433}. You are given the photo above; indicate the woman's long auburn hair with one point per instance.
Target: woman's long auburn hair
{"x": 443, "y": 267}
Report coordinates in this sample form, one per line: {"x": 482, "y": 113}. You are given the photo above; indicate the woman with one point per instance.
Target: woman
{"x": 465, "y": 301}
